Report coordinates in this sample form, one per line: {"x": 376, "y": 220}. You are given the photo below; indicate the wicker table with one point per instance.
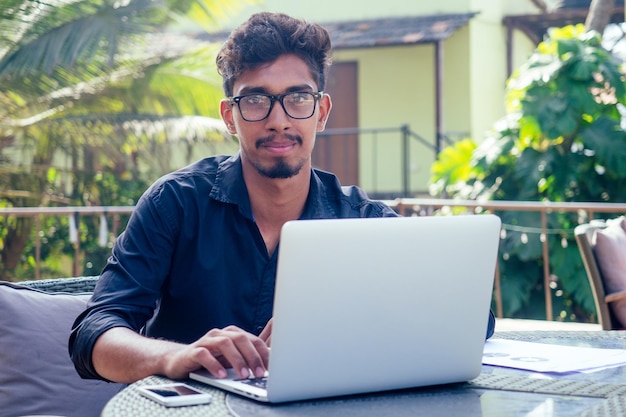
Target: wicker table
{"x": 497, "y": 391}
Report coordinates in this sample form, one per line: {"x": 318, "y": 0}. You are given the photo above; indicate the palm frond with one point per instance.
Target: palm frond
{"x": 209, "y": 14}
{"x": 61, "y": 33}
{"x": 162, "y": 87}
{"x": 172, "y": 75}
{"x": 152, "y": 127}
{"x": 68, "y": 34}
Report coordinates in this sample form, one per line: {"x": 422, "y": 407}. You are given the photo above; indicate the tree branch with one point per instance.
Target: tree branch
{"x": 599, "y": 15}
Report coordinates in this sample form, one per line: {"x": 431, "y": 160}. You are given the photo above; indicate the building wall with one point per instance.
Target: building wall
{"x": 333, "y": 10}
{"x": 395, "y": 88}
{"x": 397, "y": 84}
{"x": 487, "y": 68}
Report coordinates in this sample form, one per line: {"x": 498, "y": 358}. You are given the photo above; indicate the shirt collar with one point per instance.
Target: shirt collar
{"x": 317, "y": 204}
{"x": 229, "y": 187}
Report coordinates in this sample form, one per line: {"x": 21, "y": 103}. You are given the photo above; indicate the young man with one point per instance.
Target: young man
{"x": 190, "y": 281}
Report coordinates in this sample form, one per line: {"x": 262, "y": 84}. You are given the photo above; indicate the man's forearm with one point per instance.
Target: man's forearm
{"x": 121, "y": 355}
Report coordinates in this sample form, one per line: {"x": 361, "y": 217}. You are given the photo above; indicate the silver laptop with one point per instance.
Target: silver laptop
{"x": 366, "y": 305}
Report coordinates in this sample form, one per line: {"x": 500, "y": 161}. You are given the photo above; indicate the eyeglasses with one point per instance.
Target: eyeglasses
{"x": 256, "y": 107}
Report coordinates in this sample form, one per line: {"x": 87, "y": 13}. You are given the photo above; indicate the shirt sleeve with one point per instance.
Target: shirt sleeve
{"x": 491, "y": 327}
{"x": 128, "y": 290}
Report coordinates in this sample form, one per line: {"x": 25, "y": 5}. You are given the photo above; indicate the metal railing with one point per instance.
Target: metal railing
{"x": 404, "y": 206}
{"x": 38, "y": 212}
{"x": 402, "y": 137}
{"x": 421, "y": 206}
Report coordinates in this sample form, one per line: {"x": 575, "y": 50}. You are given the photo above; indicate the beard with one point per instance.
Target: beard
{"x": 281, "y": 169}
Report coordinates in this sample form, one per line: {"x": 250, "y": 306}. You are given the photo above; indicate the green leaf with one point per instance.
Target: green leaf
{"x": 582, "y": 68}
{"x": 453, "y": 163}
{"x": 580, "y": 99}
{"x": 605, "y": 137}
{"x": 566, "y": 264}
{"x": 568, "y": 48}
{"x": 566, "y": 125}
{"x": 529, "y": 168}
{"x": 521, "y": 239}
{"x": 52, "y": 175}
{"x": 517, "y": 282}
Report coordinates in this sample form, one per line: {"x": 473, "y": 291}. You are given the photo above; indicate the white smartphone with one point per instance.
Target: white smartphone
{"x": 175, "y": 394}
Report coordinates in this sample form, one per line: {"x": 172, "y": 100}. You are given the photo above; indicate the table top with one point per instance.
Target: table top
{"x": 497, "y": 391}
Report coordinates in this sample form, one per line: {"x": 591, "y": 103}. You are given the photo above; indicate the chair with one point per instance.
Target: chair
{"x": 37, "y": 376}
{"x": 585, "y": 237}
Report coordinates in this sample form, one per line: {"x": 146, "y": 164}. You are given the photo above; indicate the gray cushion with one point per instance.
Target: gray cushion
{"x": 36, "y": 373}
{"x": 610, "y": 251}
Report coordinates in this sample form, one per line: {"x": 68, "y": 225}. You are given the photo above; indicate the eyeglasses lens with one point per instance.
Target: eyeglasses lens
{"x": 298, "y": 105}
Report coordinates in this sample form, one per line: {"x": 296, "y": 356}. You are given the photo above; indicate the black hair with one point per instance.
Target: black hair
{"x": 264, "y": 37}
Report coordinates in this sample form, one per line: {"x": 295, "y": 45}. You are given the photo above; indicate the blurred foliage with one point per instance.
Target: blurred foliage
{"x": 97, "y": 99}
{"x": 57, "y": 252}
{"x": 562, "y": 140}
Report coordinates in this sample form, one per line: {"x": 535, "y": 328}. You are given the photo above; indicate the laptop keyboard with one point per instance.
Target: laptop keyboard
{"x": 255, "y": 382}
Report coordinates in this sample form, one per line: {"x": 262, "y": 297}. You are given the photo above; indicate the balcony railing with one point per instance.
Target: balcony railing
{"x": 404, "y": 206}
{"x": 77, "y": 212}
{"x": 425, "y": 206}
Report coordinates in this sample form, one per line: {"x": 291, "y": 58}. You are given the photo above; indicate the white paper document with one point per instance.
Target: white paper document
{"x": 542, "y": 357}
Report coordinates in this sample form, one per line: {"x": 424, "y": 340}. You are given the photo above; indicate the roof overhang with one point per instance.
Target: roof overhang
{"x": 394, "y": 31}
{"x": 389, "y": 31}
{"x": 536, "y": 26}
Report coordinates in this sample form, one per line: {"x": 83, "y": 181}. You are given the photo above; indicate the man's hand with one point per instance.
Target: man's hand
{"x": 122, "y": 355}
{"x": 266, "y": 334}
{"x": 218, "y": 350}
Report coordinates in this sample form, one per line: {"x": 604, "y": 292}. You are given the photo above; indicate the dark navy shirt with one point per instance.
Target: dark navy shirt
{"x": 192, "y": 258}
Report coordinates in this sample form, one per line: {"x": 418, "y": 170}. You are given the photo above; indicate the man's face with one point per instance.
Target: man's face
{"x": 278, "y": 146}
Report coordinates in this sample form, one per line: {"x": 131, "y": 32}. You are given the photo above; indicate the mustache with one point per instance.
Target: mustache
{"x": 295, "y": 138}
